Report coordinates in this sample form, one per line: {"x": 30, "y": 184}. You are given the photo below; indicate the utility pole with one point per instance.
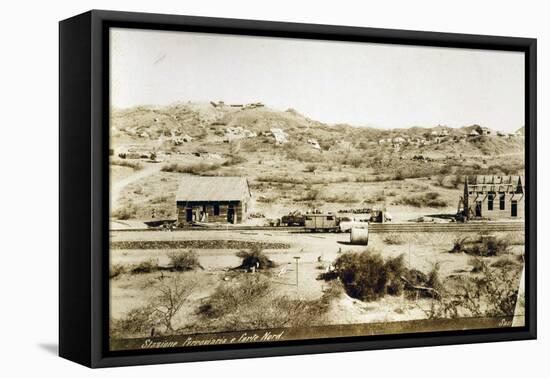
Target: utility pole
{"x": 296, "y": 258}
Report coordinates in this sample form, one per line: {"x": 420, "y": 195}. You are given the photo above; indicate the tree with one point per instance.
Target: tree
{"x": 172, "y": 296}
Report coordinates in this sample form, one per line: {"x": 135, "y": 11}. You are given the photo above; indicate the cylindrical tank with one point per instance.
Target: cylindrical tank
{"x": 359, "y": 236}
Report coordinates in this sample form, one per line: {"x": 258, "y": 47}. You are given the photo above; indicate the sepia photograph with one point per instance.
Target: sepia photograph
{"x": 267, "y": 189}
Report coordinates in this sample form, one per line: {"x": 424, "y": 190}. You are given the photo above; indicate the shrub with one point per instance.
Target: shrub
{"x": 116, "y": 270}
{"x": 459, "y": 244}
{"x": 172, "y": 295}
{"x": 234, "y": 160}
{"x": 506, "y": 262}
{"x": 415, "y": 171}
{"x": 433, "y": 281}
{"x": 365, "y": 178}
{"x": 419, "y": 284}
{"x": 138, "y": 321}
{"x": 485, "y": 246}
{"x": 393, "y": 239}
{"x": 399, "y": 176}
{"x": 194, "y": 169}
{"x": 354, "y": 161}
{"x": 378, "y": 196}
{"x": 228, "y": 297}
{"x": 310, "y": 195}
{"x": 476, "y": 263}
{"x": 135, "y": 165}
{"x": 311, "y": 168}
{"x": 184, "y": 260}
{"x": 394, "y": 270}
{"x": 430, "y": 199}
{"x": 490, "y": 293}
{"x": 159, "y": 199}
{"x": 255, "y": 258}
{"x": 340, "y": 198}
{"x": 495, "y": 247}
{"x": 366, "y": 276}
{"x": 250, "y": 303}
{"x": 128, "y": 211}
{"x": 146, "y": 266}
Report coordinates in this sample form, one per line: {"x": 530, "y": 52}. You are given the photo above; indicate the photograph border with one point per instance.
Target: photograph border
{"x": 84, "y": 193}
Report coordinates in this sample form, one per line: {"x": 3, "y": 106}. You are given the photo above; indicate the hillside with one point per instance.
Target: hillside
{"x": 214, "y": 123}
{"x": 293, "y": 162}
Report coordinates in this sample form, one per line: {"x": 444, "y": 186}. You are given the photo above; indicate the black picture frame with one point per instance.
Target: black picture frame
{"x": 84, "y": 185}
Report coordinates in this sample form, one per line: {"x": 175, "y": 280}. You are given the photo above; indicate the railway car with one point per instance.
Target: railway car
{"x": 294, "y": 219}
{"x": 321, "y": 222}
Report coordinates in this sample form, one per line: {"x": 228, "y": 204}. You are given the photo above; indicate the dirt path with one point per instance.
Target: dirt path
{"x": 116, "y": 188}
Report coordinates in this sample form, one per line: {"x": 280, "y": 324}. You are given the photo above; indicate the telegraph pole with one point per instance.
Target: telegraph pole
{"x": 296, "y": 258}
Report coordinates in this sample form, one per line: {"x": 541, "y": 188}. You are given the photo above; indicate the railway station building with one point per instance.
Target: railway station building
{"x": 213, "y": 199}
{"x": 493, "y": 197}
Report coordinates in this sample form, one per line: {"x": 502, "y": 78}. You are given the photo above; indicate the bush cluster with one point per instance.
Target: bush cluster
{"x": 184, "y": 260}
{"x": 483, "y": 246}
{"x": 194, "y": 169}
{"x": 366, "y": 276}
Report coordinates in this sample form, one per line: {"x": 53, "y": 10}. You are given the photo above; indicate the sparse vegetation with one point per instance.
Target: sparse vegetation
{"x": 124, "y": 212}
{"x": 430, "y": 199}
{"x": 506, "y": 262}
{"x": 481, "y": 246}
{"x": 135, "y": 165}
{"x": 476, "y": 263}
{"x": 198, "y": 169}
{"x": 311, "y": 168}
{"x": 366, "y": 276}
{"x": 310, "y": 195}
{"x": 394, "y": 239}
{"x": 146, "y": 266}
{"x": 170, "y": 295}
{"x": 234, "y": 160}
{"x": 352, "y": 168}
{"x": 254, "y": 258}
{"x": 491, "y": 292}
{"x": 251, "y": 303}
{"x": 184, "y": 260}
{"x": 116, "y": 270}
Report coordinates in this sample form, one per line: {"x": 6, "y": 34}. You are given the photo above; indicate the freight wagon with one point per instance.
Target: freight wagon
{"x": 321, "y": 222}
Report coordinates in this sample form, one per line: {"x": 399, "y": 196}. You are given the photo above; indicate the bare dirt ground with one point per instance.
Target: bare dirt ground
{"x": 127, "y": 177}
{"x": 316, "y": 252}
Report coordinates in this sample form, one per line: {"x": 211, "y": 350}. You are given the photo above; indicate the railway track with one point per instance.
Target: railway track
{"x": 373, "y": 227}
{"x": 447, "y": 227}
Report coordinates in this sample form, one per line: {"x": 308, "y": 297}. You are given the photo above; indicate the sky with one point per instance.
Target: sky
{"x": 362, "y": 84}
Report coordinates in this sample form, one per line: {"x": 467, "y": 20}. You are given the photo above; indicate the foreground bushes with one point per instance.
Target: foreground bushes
{"x": 184, "y": 260}
{"x": 491, "y": 292}
{"x": 146, "y": 266}
{"x": 482, "y": 246}
{"x": 156, "y": 317}
{"x": 254, "y": 258}
{"x": 250, "y": 302}
{"x": 368, "y": 277}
